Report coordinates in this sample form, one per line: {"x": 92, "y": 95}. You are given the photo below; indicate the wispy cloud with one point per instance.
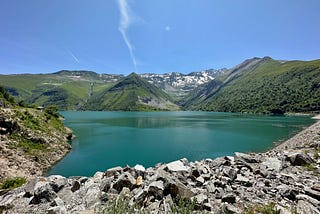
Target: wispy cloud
{"x": 126, "y": 19}
{"x": 73, "y": 56}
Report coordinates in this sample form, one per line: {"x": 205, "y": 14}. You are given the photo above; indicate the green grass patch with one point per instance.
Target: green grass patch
{"x": 12, "y": 183}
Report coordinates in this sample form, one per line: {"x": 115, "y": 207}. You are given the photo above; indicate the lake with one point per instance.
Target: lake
{"x": 108, "y": 139}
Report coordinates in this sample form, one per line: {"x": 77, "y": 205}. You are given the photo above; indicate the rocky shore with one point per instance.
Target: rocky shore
{"x": 31, "y": 141}
{"x": 285, "y": 179}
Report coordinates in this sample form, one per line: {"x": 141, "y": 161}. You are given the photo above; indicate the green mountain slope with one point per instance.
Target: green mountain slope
{"x": 262, "y": 86}
{"x": 131, "y": 94}
{"x": 68, "y": 90}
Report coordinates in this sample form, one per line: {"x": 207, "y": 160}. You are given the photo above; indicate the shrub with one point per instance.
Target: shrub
{"x": 183, "y": 205}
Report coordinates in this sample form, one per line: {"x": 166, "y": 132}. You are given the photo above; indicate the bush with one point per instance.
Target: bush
{"x": 183, "y": 205}
{"x": 12, "y": 183}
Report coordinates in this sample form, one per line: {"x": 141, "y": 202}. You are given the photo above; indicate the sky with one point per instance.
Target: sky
{"x": 153, "y": 36}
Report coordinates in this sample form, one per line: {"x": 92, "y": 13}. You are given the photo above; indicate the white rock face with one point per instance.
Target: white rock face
{"x": 177, "y": 166}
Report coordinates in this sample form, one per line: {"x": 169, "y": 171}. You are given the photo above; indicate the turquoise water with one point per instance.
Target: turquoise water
{"x": 108, "y": 139}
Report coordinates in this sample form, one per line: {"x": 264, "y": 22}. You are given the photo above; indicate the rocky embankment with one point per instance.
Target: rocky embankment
{"x": 31, "y": 141}
{"x": 286, "y": 179}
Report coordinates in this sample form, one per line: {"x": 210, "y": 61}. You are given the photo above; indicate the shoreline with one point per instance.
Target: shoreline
{"x": 304, "y": 135}
{"x": 286, "y": 177}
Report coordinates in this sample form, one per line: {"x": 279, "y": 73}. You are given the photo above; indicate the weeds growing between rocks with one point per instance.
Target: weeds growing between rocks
{"x": 263, "y": 209}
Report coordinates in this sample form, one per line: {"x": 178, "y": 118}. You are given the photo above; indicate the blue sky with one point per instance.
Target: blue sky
{"x": 154, "y": 36}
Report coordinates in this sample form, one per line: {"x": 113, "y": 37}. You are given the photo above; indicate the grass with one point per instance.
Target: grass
{"x": 262, "y": 209}
{"x": 12, "y": 183}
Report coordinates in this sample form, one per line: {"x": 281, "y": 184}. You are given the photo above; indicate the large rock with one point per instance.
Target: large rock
{"x": 124, "y": 180}
{"x": 313, "y": 193}
{"x": 58, "y": 207}
{"x": 229, "y": 198}
{"x": 113, "y": 171}
{"x": 173, "y": 186}
{"x": 272, "y": 163}
{"x": 75, "y": 186}
{"x": 245, "y": 157}
{"x": 304, "y": 207}
{"x": 244, "y": 181}
{"x": 177, "y": 166}
{"x": 300, "y": 159}
{"x": 43, "y": 193}
{"x": 105, "y": 184}
{"x": 200, "y": 198}
{"x": 156, "y": 189}
{"x": 57, "y": 182}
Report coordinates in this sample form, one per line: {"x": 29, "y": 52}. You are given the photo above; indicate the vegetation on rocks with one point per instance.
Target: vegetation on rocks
{"x": 31, "y": 140}
{"x": 12, "y": 183}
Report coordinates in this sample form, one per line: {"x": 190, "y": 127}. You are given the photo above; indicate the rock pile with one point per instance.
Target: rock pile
{"x": 224, "y": 185}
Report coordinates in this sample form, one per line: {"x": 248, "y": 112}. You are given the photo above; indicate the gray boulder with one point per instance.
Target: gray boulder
{"x": 125, "y": 180}
{"x": 156, "y": 189}
{"x": 300, "y": 159}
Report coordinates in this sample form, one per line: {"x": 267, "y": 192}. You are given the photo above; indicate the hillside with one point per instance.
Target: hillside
{"x": 31, "y": 140}
{"x": 261, "y": 86}
{"x": 68, "y": 90}
{"x": 131, "y": 94}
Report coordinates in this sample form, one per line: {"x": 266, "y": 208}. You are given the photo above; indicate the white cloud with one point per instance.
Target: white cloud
{"x": 167, "y": 28}
{"x": 126, "y": 19}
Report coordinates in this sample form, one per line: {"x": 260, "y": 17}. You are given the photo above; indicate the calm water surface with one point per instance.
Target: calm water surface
{"x": 108, "y": 139}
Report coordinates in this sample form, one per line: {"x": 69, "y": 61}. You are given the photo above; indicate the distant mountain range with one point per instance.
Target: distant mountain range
{"x": 258, "y": 85}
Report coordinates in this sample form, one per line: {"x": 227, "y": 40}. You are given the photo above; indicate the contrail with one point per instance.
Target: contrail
{"x": 126, "y": 19}
{"x": 73, "y": 56}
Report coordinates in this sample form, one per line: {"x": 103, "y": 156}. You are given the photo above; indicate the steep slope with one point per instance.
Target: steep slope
{"x": 203, "y": 92}
{"x": 66, "y": 89}
{"x": 131, "y": 94}
{"x": 262, "y": 86}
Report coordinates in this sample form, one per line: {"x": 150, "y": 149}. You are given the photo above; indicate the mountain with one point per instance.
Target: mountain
{"x": 178, "y": 85}
{"x": 68, "y": 90}
{"x": 258, "y": 85}
{"x": 131, "y": 93}
{"x": 261, "y": 85}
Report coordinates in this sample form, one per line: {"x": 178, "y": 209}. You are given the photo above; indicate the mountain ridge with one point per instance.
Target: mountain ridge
{"x": 246, "y": 87}
{"x": 131, "y": 93}
{"x": 266, "y": 86}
